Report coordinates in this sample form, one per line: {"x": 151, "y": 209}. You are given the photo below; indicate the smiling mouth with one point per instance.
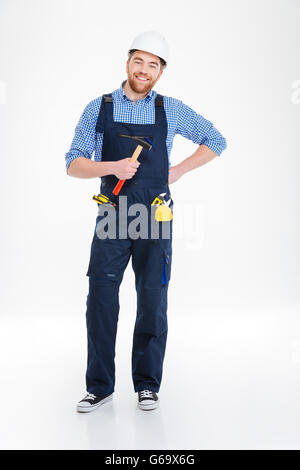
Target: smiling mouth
{"x": 141, "y": 79}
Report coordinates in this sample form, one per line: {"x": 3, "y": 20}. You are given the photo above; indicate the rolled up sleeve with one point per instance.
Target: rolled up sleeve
{"x": 83, "y": 143}
{"x": 199, "y": 130}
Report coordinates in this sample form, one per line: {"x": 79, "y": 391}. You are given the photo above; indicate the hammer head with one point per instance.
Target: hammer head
{"x": 144, "y": 141}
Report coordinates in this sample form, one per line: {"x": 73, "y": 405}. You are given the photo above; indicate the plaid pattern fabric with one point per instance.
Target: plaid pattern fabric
{"x": 181, "y": 120}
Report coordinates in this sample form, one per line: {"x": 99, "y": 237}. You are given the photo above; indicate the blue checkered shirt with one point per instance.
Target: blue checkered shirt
{"x": 181, "y": 120}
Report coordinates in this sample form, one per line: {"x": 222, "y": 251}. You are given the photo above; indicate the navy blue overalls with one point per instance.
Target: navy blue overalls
{"x": 151, "y": 260}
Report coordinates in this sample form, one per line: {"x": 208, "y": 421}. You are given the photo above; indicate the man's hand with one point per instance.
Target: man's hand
{"x": 175, "y": 173}
{"x": 202, "y": 155}
{"x": 125, "y": 169}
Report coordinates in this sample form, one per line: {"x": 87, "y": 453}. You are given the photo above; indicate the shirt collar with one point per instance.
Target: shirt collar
{"x": 125, "y": 97}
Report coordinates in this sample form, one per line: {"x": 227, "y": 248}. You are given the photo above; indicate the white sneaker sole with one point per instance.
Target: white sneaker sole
{"x": 151, "y": 406}
{"x": 87, "y": 409}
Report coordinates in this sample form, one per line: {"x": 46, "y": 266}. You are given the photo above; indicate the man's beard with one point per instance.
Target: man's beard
{"x": 147, "y": 86}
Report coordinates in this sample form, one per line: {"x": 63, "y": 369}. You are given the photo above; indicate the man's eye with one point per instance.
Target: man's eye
{"x": 139, "y": 62}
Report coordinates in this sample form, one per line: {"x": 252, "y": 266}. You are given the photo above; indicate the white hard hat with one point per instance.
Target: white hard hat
{"x": 153, "y": 42}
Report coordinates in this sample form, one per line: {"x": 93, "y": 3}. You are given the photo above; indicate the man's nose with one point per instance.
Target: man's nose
{"x": 144, "y": 70}
{"x": 145, "y": 73}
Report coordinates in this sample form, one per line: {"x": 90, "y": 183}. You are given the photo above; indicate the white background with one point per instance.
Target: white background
{"x": 232, "y": 365}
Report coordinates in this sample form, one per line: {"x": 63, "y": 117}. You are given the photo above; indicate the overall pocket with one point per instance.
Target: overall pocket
{"x": 166, "y": 268}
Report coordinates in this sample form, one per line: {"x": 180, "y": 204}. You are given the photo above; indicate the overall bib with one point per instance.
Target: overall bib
{"x": 151, "y": 260}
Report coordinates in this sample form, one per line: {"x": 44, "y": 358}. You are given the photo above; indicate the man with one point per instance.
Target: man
{"x": 108, "y": 126}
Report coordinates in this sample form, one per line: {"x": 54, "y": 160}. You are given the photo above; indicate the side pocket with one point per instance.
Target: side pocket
{"x": 166, "y": 269}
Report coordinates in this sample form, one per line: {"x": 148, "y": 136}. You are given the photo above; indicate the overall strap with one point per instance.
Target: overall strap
{"x": 100, "y": 121}
{"x": 159, "y": 100}
{"x": 160, "y": 114}
{"x": 107, "y": 98}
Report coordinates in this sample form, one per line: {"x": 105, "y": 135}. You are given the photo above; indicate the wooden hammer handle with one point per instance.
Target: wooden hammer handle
{"x": 133, "y": 158}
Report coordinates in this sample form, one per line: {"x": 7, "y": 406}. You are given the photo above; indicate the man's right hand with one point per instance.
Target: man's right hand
{"x": 125, "y": 169}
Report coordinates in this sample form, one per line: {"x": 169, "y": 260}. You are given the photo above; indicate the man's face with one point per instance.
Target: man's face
{"x": 144, "y": 65}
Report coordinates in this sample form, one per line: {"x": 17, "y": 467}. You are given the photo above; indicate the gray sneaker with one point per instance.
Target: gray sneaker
{"x": 147, "y": 400}
{"x": 90, "y": 402}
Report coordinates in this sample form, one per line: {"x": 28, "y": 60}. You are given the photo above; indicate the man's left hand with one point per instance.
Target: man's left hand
{"x": 174, "y": 174}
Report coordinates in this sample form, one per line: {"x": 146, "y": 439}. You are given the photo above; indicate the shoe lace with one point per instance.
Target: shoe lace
{"x": 90, "y": 395}
{"x": 146, "y": 393}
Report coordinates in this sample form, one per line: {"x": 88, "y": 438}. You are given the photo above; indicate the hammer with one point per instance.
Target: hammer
{"x": 141, "y": 143}
{"x": 101, "y": 198}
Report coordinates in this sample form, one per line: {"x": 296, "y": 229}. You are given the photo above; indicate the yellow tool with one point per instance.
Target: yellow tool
{"x": 163, "y": 212}
{"x": 102, "y": 199}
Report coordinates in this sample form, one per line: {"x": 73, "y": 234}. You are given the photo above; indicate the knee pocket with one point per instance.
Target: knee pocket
{"x": 108, "y": 259}
{"x": 103, "y": 265}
